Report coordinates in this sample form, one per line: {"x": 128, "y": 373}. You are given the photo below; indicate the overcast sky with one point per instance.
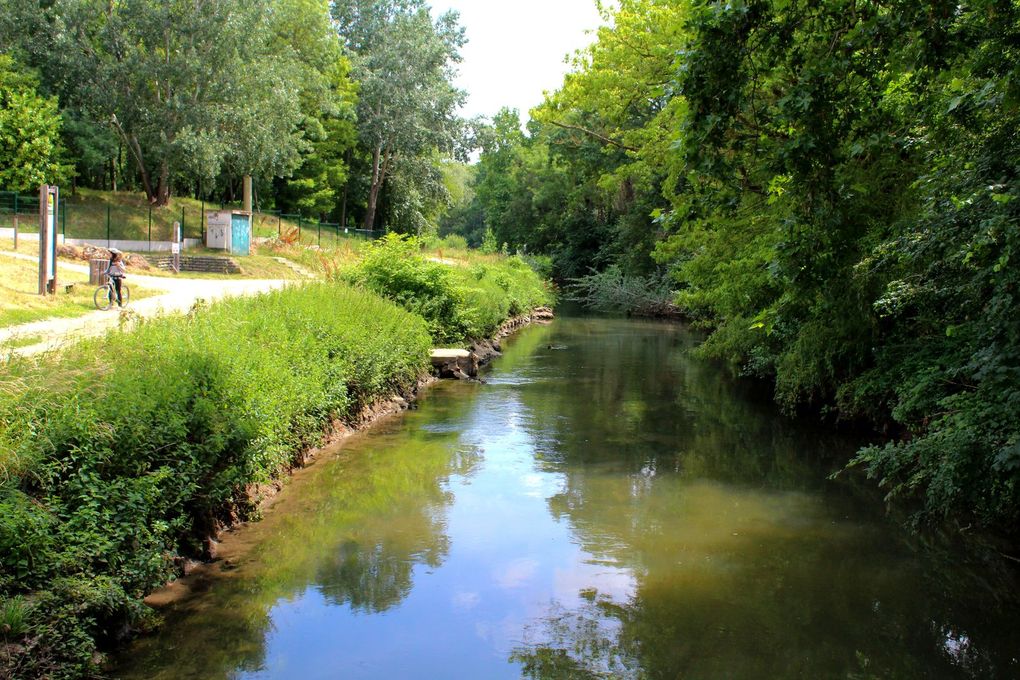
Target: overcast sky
{"x": 516, "y": 48}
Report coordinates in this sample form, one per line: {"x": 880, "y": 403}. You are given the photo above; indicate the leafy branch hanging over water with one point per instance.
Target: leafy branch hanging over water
{"x": 612, "y": 290}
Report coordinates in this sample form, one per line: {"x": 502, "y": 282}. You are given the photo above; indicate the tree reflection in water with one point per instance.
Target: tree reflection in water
{"x": 351, "y": 534}
{"x": 746, "y": 559}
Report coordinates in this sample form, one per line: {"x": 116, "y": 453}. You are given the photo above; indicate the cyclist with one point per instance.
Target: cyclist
{"x": 116, "y": 271}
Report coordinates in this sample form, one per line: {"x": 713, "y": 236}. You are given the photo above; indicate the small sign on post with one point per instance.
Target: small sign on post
{"x": 48, "y": 204}
{"x": 175, "y": 247}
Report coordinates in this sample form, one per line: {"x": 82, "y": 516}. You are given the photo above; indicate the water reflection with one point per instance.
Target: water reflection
{"x": 749, "y": 563}
{"x": 604, "y": 507}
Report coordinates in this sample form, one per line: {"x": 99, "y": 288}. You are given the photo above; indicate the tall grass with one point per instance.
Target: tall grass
{"x": 119, "y": 453}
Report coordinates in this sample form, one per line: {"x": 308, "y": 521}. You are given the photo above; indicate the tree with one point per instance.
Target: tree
{"x": 190, "y": 88}
{"x": 328, "y": 99}
{"x": 30, "y": 145}
{"x": 404, "y": 63}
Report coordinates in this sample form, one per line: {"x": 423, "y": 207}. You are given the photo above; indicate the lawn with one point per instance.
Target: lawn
{"x": 21, "y": 303}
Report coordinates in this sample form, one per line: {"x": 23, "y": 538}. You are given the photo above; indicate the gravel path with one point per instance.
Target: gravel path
{"x": 179, "y": 295}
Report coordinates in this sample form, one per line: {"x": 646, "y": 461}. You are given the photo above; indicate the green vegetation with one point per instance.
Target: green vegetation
{"x": 458, "y": 302}
{"x": 30, "y": 146}
{"x": 118, "y": 454}
{"x": 343, "y": 112}
{"x": 831, "y": 189}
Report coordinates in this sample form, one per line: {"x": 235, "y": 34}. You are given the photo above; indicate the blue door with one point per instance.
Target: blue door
{"x": 240, "y": 239}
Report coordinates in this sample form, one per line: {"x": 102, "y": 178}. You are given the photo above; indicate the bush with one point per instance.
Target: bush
{"x": 456, "y": 302}
{"x": 123, "y": 451}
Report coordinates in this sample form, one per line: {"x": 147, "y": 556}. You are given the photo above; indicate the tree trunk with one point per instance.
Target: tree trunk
{"x": 143, "y": 171}
{"x": 380, "y": 170}
{"x": 373, "y": 190}
{"x": 347, "y": 184}
{"x": 163, "y": 189}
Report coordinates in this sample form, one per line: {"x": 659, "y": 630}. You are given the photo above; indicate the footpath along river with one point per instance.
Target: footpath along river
{"x": 605, "y": 506}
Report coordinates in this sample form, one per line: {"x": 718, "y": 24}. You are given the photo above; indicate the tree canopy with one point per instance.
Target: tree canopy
{"x": 831, "y": 189}
{"x": 403, "y": 61}
{"x": 321, "y": 102}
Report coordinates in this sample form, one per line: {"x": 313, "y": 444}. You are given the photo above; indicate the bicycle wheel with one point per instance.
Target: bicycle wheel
{"x": 125, "y": 294}
{"x": 102, "y": 298}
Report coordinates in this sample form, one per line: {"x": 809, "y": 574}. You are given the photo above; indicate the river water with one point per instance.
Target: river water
{"x": 605, "y": 506}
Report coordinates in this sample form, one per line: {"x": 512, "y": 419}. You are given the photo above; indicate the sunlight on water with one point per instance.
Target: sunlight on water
{"x": 605, "y": 506}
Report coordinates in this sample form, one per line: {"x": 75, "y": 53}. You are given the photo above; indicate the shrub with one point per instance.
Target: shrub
{"x": 456, "y": 302}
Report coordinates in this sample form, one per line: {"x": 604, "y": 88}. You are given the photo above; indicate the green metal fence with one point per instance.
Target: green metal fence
{"x": 101, "y": 219}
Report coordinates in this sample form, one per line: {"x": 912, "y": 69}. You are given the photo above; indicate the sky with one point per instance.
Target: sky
{"x": 516, "y": 49}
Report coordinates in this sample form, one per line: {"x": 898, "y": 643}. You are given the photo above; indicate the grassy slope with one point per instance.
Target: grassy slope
{"x": 106, "y": 474}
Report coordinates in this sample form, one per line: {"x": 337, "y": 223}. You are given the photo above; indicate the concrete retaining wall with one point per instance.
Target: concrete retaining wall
{"x": 8, "y": 232}
{"x": 130, "y": 246}
{"x": 133, "y": 246}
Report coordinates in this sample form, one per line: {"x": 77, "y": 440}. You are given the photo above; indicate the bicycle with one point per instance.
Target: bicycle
{"x": 106, "y": 295}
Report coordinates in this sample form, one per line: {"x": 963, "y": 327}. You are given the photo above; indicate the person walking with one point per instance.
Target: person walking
{"x": 117, "y": 271}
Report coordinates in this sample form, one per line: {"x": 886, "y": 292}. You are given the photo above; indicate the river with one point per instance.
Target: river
{"x": 604, "y": 506}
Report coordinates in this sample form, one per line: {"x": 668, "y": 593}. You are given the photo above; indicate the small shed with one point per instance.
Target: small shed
{"x": 228, "y": 230}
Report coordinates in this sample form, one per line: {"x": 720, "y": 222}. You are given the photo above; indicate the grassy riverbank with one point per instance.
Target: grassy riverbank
{"x": 119, "y": 455}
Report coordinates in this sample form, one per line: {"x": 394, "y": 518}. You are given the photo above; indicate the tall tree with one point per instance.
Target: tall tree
{"x": 190, "y": 87}
{"x": 404, "y": 62}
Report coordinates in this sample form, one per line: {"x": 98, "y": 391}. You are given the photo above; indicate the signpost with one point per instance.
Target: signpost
{"x": 48, "y": 204}
{"x": 175, "y": 247}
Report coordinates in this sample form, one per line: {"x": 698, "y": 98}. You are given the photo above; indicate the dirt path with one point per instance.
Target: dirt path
{"x": 179, "y": 296}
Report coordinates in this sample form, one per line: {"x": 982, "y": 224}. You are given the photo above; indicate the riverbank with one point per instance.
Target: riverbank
{"x": 197, "y": 574}
{"x": 119, "y": 455}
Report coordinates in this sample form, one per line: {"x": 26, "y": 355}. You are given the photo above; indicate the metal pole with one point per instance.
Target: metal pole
{"x": 318, "y": 234}
{"x": 63, "y": 221}
{"x": 150, "y": 227}
{"x": 44, "y": 192}
{"x": 202, "y": 223}
{"x": 15, "y": 231}
{"x": 176, "y": 247}
{"x": 53, "y": 246}
{"x": 279, "y": 224}
{"x": 107, "y": 225}
{"x": 182, "y": 223}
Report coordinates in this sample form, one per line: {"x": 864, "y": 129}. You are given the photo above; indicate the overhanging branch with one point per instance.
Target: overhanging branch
{"x": 596, "y": 135}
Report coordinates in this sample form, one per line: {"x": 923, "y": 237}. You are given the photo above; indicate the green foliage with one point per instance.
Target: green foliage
{"x": 119, "y": 453}
{"x": 832, "y": 187}
{"x": 456, "y": 302}
{"x": 846, "y": 222}
{"x": 30, "y": 146}
{"x": 404, "y": 63}
{"x": 612, "y": 290}
{"x": 191, "y": 90}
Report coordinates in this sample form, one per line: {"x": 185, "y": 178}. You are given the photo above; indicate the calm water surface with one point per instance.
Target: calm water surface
{"x": 605, "y": 506}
